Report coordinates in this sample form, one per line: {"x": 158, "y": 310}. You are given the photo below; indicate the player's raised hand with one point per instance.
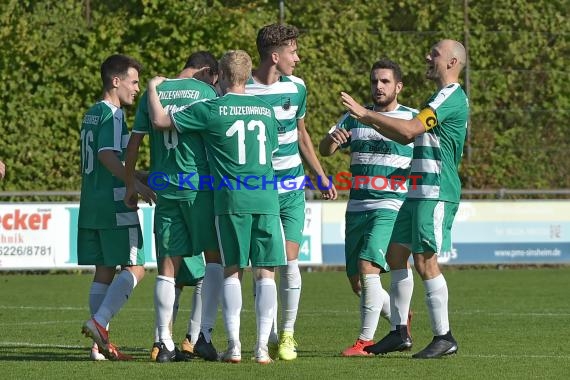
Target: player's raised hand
{"x": 356, "y": 110}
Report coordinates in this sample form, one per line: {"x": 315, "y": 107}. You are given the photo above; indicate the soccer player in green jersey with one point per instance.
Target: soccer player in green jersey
{"x": 109, "y": 233}
{"x": 426, "y": 217}
{"x": 381, "y": 167}
{"x": 274, "y": 82}
{"x": 184, "y": 218}
{"x": 240, "y": 133}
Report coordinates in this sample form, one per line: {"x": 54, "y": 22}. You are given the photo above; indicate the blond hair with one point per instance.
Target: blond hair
{"x": 235, "y": 67}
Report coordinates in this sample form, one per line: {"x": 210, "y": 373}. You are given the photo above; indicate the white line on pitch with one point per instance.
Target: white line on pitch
{"x": 301, "y": 312}
{"x": 62, "y": 346}
{"x": 37, "y": 345}
{"x": 517, "y": 356}
{"x": 31, "y": 323}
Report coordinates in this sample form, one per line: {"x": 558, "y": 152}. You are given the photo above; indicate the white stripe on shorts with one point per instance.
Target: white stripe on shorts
{"x": 127, "y": 218}
{"x": 284, "y": 240}
{"x": 216, "y": 222}
{"x": 119, "y": 193}
{"x": 133, "y": 244}
{"x": 438, "y": 219}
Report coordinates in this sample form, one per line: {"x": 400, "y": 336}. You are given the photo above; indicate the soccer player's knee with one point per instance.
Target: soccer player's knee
{"x": 138, "y": 271}
{"x": 264, "y": 272}
{"x": 426, "y": 265}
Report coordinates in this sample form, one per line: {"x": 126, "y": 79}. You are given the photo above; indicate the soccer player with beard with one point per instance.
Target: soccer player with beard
{"x": 426, "y": 217}
{"x": 375, "y": 201}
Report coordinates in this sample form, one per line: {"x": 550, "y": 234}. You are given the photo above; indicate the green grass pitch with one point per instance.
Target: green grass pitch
{"x": 511, "y": 323}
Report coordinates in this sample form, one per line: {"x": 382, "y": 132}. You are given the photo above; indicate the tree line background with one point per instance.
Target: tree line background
{"x": 517, "y": 76}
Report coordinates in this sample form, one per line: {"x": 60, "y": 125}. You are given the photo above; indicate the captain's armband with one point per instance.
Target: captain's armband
{"x": 428, "y": 118}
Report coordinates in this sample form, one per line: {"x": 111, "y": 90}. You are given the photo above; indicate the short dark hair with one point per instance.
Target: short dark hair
{"x": 117, "y": 65}
{"x": 202, "y": 59}
{"x": 274, "y": 36}
{"x": 385, "y": 63}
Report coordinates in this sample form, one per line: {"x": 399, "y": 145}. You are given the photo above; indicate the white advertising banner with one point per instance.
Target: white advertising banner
{"x": 33, "y": 235}
{"x": 44, "y": 235}
{"x": 484, "y": 232}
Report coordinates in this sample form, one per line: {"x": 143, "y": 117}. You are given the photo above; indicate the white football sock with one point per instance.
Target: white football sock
{"x": 265, "y": 303}
{"x": 371, "y": 300}
{"x": 212, "y": 286}
{"x": 196, "y": 313}
{"x": 290, "y": 294}
{"x": 273, "y": 334}
{"x": 164, "y": 295}
{"x": 401, "y": 290}
{"x": 231, "y": 307}
{"x": 436, "y": 301}
{"x": 117, "y": 294}
{"x": 96, "y": 296}
{"x": 177, "y": 294}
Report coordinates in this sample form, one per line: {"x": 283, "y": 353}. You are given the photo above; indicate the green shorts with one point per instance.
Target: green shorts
{"x": 255, "y": 237}
{"x": 202, "y": 228}
{"x": 191, "y": 271}
{"x": 110, "y": 247}
{"x": 185, "y": 227}
{"x": 367, "y": 235}
{"x": 425, "y": 225}
{"x": 292, "y": 205}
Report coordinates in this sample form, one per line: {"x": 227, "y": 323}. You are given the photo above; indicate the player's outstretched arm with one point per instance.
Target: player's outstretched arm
{"x": 399, "y": 130}
{"x": 308, "y": 152}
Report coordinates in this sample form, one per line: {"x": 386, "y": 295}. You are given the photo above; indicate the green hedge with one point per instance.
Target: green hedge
{"x": 518, "y": 75}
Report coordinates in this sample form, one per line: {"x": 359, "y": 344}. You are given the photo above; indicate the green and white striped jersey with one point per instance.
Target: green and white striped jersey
{"x": 437, "y": 153}
{"x": 173, "y": 153}
{"x": 101, "y": 204}
{"x": 288, "y": 97}
{"x": 384, "y": 162}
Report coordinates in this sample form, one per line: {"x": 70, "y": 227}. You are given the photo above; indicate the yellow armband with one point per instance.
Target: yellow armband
{"x": 428, "y": 119}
